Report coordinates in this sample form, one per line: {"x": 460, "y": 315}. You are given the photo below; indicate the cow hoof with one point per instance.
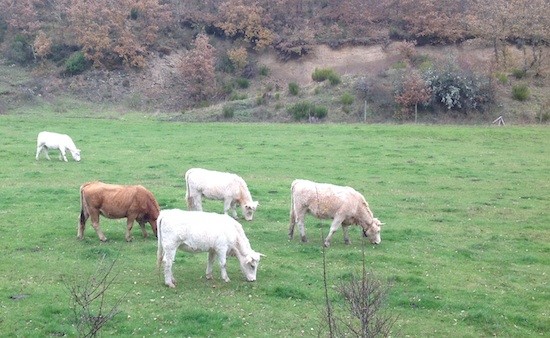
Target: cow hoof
{"x": 327, "y": 244}
{"x": 103, "y": 239}
{"x": 304, "y": 239}
{"x": 347, "y": 242}
{"x": 208, "y": 276}
{"x": 171, "y": 285}
{"x": 129, "y": 239}
{"x": 227, "y": 280}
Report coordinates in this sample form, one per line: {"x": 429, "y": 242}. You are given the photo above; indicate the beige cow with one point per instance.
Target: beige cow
{"x": 230, "y": 188}
{"x": 344, "y": 205}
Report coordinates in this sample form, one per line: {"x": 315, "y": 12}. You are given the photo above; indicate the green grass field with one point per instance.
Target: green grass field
{"x": 465, "y": 248}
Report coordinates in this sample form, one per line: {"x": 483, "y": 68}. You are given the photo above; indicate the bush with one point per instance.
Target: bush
{"x": 320, "y": 112}
{"x": 264, "y": 70}
{"x": 20, "y": 51}
{"x": 502, "y": 78}
{"x": 334, "y": 79}
{"x": 305, "y": 109}
{"x": 293, "y": 88}
{"x": 76, "y": 63}
{"x": 242, "y": 82}
{"x": 520, "y": 92}
{"x": 519, "y": 73}
{"x": 459, "y": 89}
{"x": 322, "y": 74}
{"x": 347, "y": 99}
{"x": 228, "y": 111}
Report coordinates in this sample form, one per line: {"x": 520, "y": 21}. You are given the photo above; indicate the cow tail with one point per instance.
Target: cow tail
{"x": 83, "y": 211}
{"x": 188, "y": 198}
{"x": 292, "y": 212}
{"x": 160, "y": 251}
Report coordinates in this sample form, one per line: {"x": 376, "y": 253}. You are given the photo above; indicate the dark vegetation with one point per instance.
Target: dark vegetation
{"x": 213, "y": 48}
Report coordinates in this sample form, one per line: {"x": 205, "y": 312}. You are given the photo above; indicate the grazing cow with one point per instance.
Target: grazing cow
{"x": 216, "y": 185}
{"x": 197, "y": 231}
{"x": 117, "y": 201}
{"x": 344, "y": 205}
{"x": 47, "y": 140}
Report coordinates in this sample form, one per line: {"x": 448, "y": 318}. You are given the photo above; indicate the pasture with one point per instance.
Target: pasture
{"x": 465, "y": 248}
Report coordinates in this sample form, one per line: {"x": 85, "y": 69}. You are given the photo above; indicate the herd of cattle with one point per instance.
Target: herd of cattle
{"x": 218, "y": 234}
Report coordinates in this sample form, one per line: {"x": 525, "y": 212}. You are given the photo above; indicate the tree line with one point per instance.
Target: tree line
{"x": 123, "y": 32}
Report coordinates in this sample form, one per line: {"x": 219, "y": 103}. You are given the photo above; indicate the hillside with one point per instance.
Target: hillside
{"x": 156, "y": 89}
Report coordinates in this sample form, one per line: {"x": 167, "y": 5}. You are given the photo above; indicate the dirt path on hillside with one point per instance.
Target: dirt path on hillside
{"x": 348, "y": 60}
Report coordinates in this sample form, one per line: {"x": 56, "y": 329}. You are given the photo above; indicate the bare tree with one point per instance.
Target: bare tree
{"x": 88, "y": 300}
{"x": 365, "y": 299}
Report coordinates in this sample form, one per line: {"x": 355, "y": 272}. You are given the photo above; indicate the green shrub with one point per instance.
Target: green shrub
{"x": 237, "y": 97}
{"x": 20, "y": 51}
{"x": 347, "y": 99}
{"x": 303, "y": 110}
{"x": 322, "y": 74}
{"x": 76, "y": 63}
{"x": 242, "y": 82}
{"x": 519, "y": 73}
{"x": 293, "y": 88}
{"x": 456, "y": 88}
{"x": 228, "y": 111}
{"x": 264, "y": 70}
{"x": 502, "y": 78}
{"x": 320, "y": 111}
{"x": 520, "y": 92}
{"x": 260, "y": 100}
{"x": 399, "y": 65}
{"x": 334, "y": 79}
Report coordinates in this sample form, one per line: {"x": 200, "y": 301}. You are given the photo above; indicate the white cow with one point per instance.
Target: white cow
{"x": 344, "y": 205}
{"x": 47, "y": 140}
{"x": 230, "y": 188}
{"x": 197, "y": 231}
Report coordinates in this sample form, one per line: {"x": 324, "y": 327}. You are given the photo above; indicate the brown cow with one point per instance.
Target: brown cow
{"x": 117, "y": 201}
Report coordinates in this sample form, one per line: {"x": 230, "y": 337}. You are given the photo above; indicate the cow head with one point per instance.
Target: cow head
{"x": 373, "y": 231}
{"x": 76, "y": 154}
{"x": 249, "y": 265}
{"x": 249, "y": 209}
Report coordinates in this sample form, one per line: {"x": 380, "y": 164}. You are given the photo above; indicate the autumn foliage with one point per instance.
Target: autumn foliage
{"x": 197, "y": 70}
{"x": 117, "y": 30}
{"x": 124, "y": 32}
{"x": 414, "y": 91}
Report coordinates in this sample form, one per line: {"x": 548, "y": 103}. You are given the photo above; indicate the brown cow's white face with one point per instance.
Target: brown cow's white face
{"x": 249, "y": 209}
{"x": 373, "y": 232}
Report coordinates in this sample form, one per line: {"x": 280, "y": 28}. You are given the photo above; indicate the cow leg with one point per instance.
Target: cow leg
{"x": 129, "y": 226}
{"x": 143, "y": 231}
{"x": 97, "y": 228}
{"x": 168, "y": 260}
{"x": 195, "y": 202}
{"x": 222, "y": 260}
{"x": 42, "y": 149}
{"x": 336, "y": 223}
{"x": 38, "y": 151}
{"x": 228, "y": 204}
{"x": 211, "y": 257}
{"x": 345, "y": 230}
{"x": 300, "y": 217}
{"x": 62, "y": 154}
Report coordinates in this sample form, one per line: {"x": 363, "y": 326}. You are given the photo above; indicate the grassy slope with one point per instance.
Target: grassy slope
{"x": 465, "y": 245}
